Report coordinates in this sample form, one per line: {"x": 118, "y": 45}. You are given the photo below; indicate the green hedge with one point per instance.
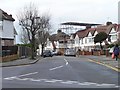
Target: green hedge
{"x": 27, "y": 45}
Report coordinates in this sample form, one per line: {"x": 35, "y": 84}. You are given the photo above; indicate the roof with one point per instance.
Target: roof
{"x": 84, "y": 33}
{"x": 101, "y": 29}
{"x": 5, "y": 16}
{"x": 79, "y": 24}
{"x": 105, "y": 28}
{"x": 81, "y": 33}
{"x": 59, "y": 36}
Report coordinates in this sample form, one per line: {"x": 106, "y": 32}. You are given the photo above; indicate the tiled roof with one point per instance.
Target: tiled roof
{"x": 84, "y": 33}
{"x": 81, "y": 33}
{"x": 59, "y": 36}
{"x": 53, "y": 37}
{"x": 92, "y": 30}
{"x": 5, "y": 16}
{"x": 105, "y": 28}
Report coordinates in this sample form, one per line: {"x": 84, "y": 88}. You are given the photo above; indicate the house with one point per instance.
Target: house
{"x": 84, "y": 39}
{"x": 49, "y": 45}
{"x": 7, "y": 29}
{"x": 58, "y": 42}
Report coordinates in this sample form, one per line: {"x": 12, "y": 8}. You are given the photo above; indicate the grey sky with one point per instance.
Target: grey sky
{"x": 93, "y": 11}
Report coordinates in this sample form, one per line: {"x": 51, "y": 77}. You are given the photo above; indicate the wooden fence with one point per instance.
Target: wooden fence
{"x": 14, "y": 52}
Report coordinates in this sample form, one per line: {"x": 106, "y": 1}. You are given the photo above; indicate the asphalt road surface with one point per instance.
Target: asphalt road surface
{"x": 60, "y": 72}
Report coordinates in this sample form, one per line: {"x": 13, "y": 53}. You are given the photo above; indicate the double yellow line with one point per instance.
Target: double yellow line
{"x": 113, "y": 68}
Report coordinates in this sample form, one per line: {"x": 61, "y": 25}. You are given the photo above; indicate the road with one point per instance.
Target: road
{"x": 60, "y": 72}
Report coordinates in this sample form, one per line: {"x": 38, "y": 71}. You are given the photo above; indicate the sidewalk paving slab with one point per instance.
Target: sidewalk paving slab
{"x": 18, "y": 62}
{"x": 105, "y": 60}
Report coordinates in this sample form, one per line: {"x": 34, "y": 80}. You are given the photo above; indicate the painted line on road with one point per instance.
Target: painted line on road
{"x": 115, "y": 69}
{"x": 66, "y": 82}
{"x": 56, "y": 68}
{"x": 27, "y": 74}
{"x": 66, "y": 62}
{"x": 48, "y": 81}
{"x": 10, "y": 78}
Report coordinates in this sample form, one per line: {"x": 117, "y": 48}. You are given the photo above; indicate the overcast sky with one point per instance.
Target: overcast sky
{"x": 92, "y": 11}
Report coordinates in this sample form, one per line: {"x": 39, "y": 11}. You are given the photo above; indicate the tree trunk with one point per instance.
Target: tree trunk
{"x": 33, "y": 47}
{"x": 101, "y": 46}
{"x": 42, "y": 48}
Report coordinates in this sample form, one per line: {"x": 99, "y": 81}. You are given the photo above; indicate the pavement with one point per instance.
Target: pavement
{"x": 106, "y": 61}
{"x": 103, "y": 60}
{"x": 18, "y": 62}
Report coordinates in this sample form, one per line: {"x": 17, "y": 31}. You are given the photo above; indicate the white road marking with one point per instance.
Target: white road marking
{"x": 57, "y": 80}
{"x": 35, "y": 80}
{"x": 117, "y": 86}
{"x": 50, "y": 81}
{"x": 66, "y": 82}
{"x": 72, "y": 82}
{"x": 62, "y": 82}
{"x": 55, "y": 68}
{"x": 27, "y": 74}
{"x": 10, "y": 78}
{"x": 104, "y": 84}
{"x": 22, "y": 79}
{"x": 96, "y": 84}
{"x": 83, "y": 83}
{"x": 66, "y": 61}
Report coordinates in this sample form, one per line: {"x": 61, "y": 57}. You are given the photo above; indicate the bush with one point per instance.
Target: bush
{"x": 27, "y": 45}
{"x": 110, "y": 46}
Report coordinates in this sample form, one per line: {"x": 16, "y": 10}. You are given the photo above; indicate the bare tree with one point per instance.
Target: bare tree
{"x": 29, "y": 21}
{"x": 44, "y": 31}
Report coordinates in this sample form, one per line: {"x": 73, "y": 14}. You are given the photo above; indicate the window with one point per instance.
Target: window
{"x": 82, "y": 41}
{"x": 109, "y": 38}
{"x": 2, "y": 42}
{"x": 114, "y": 37}
{"x": 72, "y": 41}
{"x": 90, "y": 40}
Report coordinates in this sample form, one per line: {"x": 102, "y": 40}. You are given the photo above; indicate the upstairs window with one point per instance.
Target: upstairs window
{"x": 114, "y": 37}
{"x": 91, "y": 40}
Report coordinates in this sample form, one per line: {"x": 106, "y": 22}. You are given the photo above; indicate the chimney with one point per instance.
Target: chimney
{"x": 59, "y": 31}
{"x": 88, "y": 26}
{"x": 10, "y": 15}
{"x": 108, "y": 23}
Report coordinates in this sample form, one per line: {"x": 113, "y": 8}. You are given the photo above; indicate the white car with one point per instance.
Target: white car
{"x": 69, "y": 52}
{"x": 111, "y": 50}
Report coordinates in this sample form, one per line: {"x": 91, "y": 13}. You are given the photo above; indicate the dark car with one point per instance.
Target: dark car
{"x": 47, "y": 53}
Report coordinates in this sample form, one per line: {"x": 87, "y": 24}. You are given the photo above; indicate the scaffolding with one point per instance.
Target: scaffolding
{"x": 72, "y": 27}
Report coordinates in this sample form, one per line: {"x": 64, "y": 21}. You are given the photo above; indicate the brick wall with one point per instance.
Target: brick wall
{"x": 8, "y": 42}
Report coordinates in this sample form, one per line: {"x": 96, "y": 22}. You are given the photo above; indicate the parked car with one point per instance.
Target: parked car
{"x": 111, "y": 50}
{"x": 70, "y": 52}
{"x": 47, "y": 53}
{"x": 54, "y": 52}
